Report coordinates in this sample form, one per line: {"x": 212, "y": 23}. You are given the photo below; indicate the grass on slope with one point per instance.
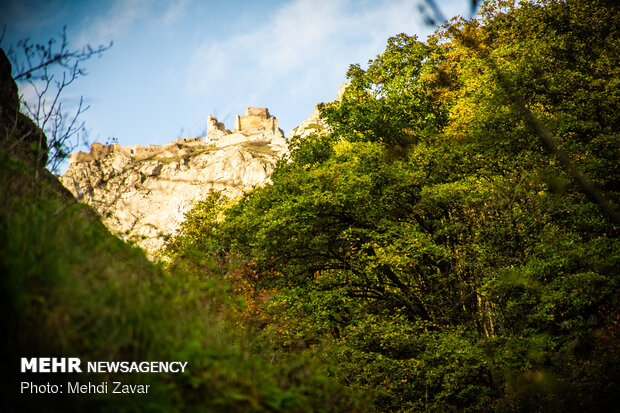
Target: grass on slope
{"x": 71, "y": 289}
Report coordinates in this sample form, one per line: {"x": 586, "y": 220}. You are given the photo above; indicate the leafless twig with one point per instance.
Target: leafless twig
{"x": 48, "y": 70}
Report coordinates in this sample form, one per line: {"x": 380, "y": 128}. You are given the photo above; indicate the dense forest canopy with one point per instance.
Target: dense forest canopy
{"x": 430, "y": 245}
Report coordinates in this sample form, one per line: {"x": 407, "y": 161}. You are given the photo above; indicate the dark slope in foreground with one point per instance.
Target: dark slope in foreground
{"x": 71, "y": 289}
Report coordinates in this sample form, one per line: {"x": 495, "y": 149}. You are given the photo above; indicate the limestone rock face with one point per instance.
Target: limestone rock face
{"x": 143, "y": 193}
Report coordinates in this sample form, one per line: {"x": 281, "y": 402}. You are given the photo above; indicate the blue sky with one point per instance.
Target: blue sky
{"x": 174, "y": 62}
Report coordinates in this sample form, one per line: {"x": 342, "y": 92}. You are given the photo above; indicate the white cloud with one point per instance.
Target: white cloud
{"x": 121, "y": 15}
{"x": 176, "y": 10}
{"x": 309, "y": 40}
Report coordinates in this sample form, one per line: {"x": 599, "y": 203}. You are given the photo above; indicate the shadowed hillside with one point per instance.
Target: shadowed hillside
{"x": 71, "y": 289}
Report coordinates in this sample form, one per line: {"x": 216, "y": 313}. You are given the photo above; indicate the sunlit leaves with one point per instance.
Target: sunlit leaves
{"x": 426, "y": 241}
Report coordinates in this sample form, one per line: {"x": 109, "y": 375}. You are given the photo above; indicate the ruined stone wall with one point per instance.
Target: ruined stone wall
{"x": 99, "y": 151}
{"x": 214, "y": 127}
{"x": 256, "y": 123}
{"x": 256, "y": 119}
{"x": 260, "y": 112}
{"x": 143, "y": 192}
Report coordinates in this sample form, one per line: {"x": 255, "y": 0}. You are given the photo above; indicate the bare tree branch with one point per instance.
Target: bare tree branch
{"x": 48, "y": 70}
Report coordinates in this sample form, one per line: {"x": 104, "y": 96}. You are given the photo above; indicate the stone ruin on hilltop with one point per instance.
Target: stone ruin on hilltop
{"x": 255, "y": 121}
{"x": 257, "y": 125}
{"x": 143, "y": 192}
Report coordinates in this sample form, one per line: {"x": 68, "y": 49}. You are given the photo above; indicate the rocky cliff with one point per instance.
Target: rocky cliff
{"x": 143, "y": 193}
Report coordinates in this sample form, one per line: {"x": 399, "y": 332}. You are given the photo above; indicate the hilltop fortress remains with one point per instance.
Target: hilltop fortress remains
{"x": 257, "y": 125}
{"x": 256, "y": 120}
{"x": 143, "y": 192}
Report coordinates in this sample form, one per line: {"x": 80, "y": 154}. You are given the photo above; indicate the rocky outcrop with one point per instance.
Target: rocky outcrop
{"x": 143, "y": 193}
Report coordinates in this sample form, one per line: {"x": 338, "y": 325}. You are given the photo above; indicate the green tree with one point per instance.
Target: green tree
{"x": 429, "y": 243}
